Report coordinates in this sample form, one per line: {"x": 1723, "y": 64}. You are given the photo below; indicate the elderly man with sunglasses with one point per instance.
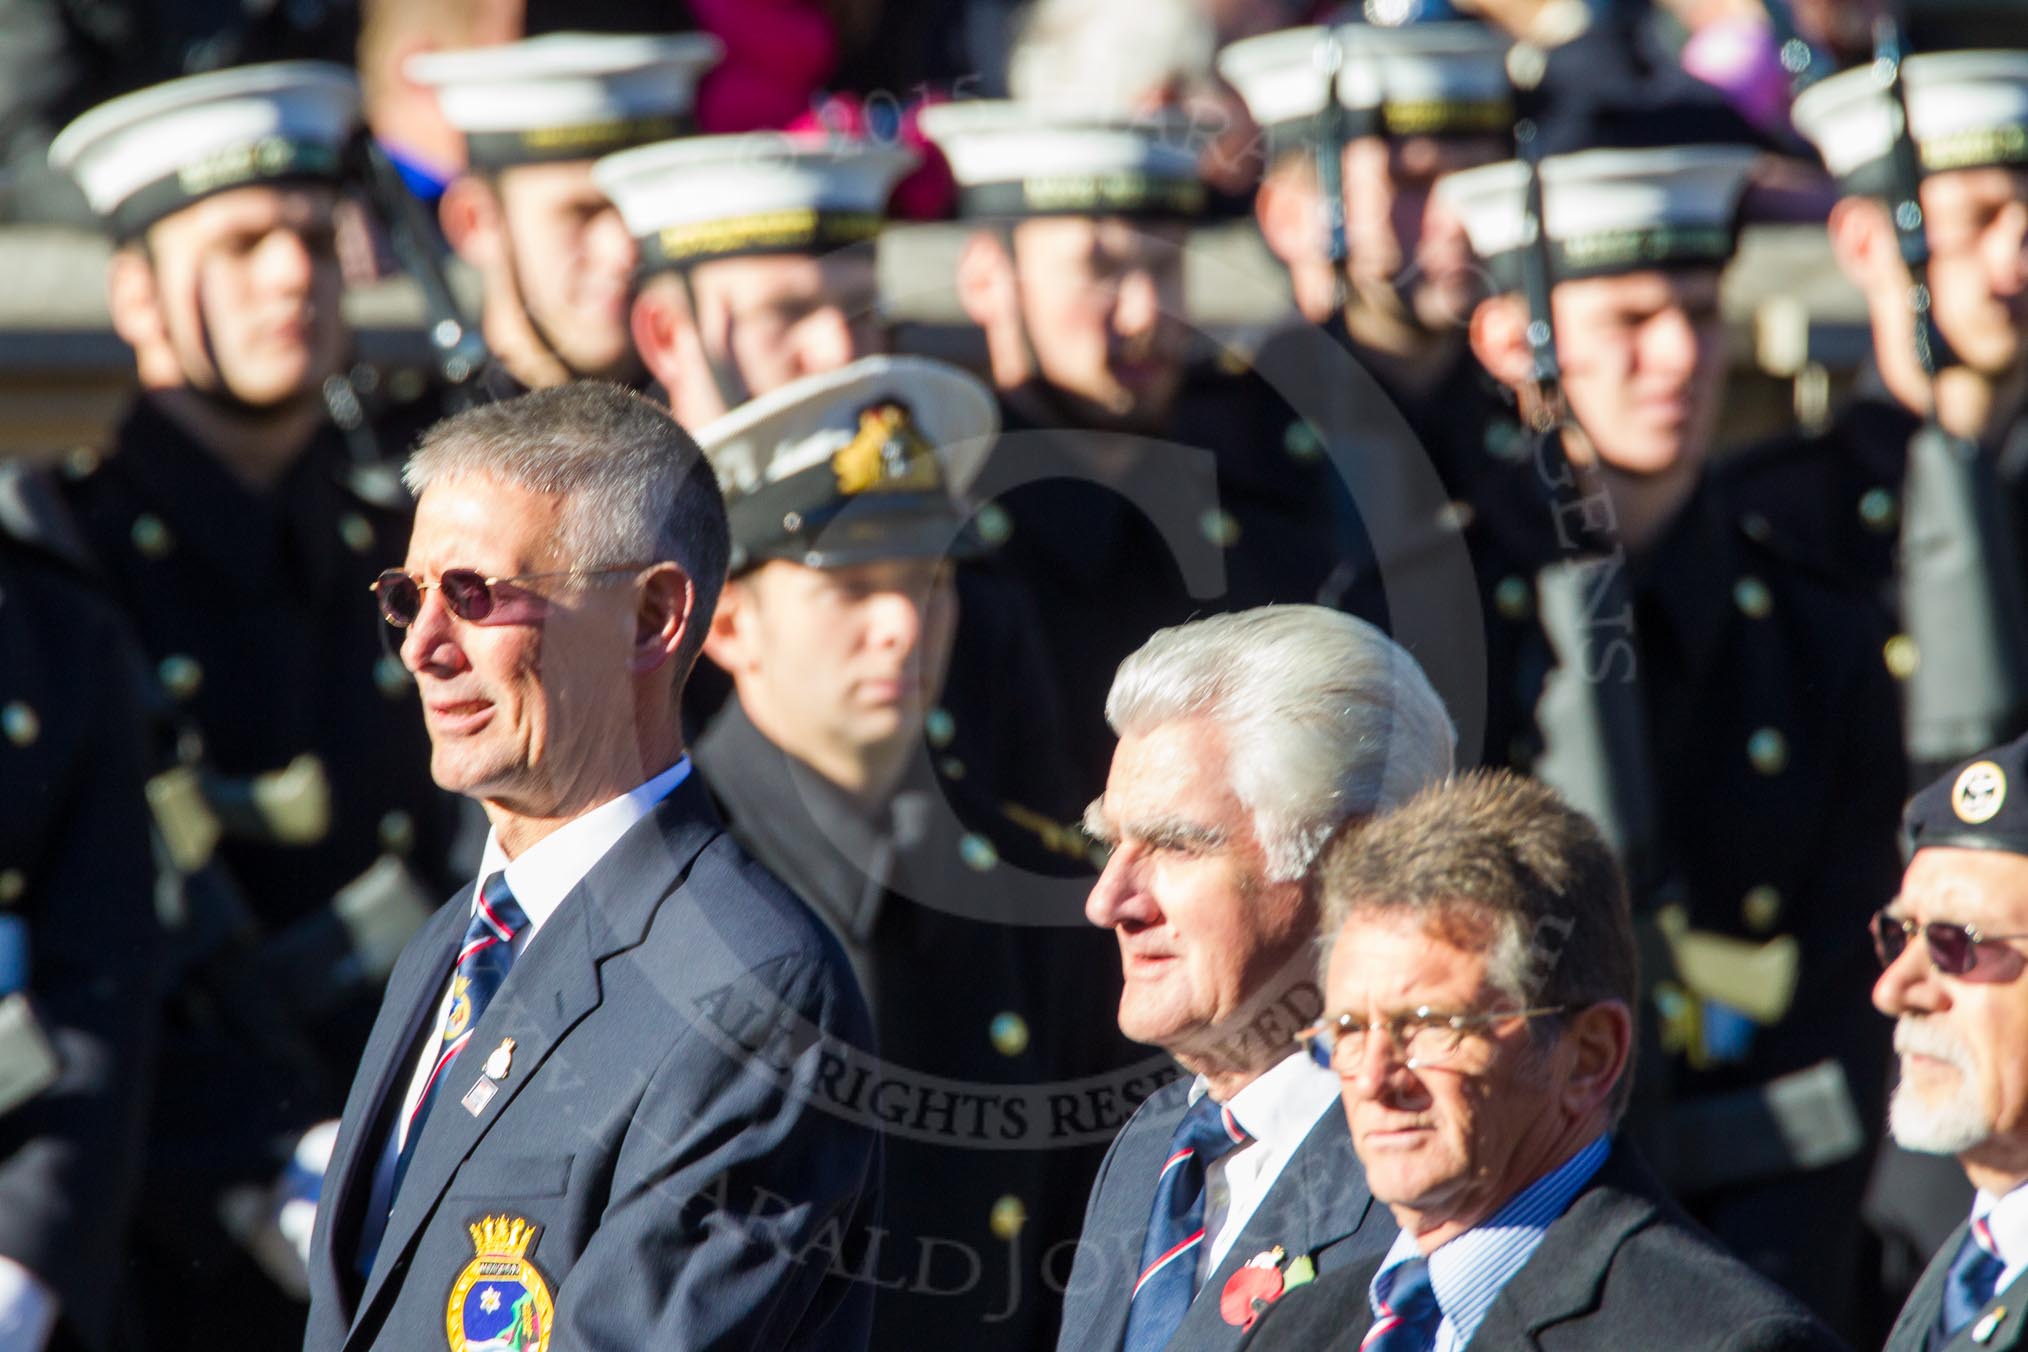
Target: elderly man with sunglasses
{"x": 1480, "y": 985}
{"x": 590, "y": 1108}
{"x": 1956, "y": 985}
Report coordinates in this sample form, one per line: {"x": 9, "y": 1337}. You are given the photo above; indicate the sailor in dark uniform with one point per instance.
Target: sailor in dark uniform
{"x": 554, "y": 260}
{"x": 959, "y": 908}
{"x": 236, "y": 530}
{"x": 1717, "y": 704}
{"x": 1383, "y": 113}
{"x": 1917, "y": 490}
{"x": 1121, "y": 510}
{"x": 80, "y": 942}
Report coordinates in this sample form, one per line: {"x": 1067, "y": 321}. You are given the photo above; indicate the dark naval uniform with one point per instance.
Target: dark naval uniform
{"x": 78, "y": 879}
{"x": 253, "y": 610}
{"x": 1776, "y": 779}
{"x": 1116, "y": 534}
{"x": 987, "y": 1027}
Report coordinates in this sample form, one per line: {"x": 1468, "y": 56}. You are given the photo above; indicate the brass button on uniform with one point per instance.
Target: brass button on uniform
{"x": 950, "y": 767}
{"x": 1301, "y": 441}
{"x": 13, "y": 884}
{"x": 939, "y": 727}
{"x": 1514, "y": 598}
{"x": 1879, "y": 509}
{"x": 1009, "y": 1032}
{"x": 1009, "y": 1215}
{"x": 151, "y": 536}
{"x": 1768, "y": 750}
{"x": 1753, "y": 598}
{"x": 993, "y": 524}
{"x": 390, "y": 677}
{"x": 1902, "y": 656}
{"x": 977, "y": 852}
{"x": 21, "y": 723}
{"x": 180, "y": 675}
{"x": 397, "y": 832}
{"x": 1220, "y": 527}
{"x": 1756, "y": 527}
{"x": 356, "y": 531}
{"x": 1761, "y": 908}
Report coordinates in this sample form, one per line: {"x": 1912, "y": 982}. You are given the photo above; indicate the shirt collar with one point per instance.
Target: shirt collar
{"x": 1468, "y": 1272}
{"x": 2006, "y": 1220}
{"x": 546, "y": 872}
{"x": 1282, "y": 1103}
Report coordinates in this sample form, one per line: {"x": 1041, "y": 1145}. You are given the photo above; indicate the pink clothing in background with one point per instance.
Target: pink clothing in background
{"x": 1744, "y": 60}
{"x": 778, "y": 53}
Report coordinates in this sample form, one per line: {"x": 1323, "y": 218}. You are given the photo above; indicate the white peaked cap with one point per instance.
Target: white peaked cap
{"x": 1607, "y": 211}
{"x": 759, "y": 192}
{"x": 148, "y": 153}
{"x": 1965, "y": 110}
{"x": 567, "y": 96}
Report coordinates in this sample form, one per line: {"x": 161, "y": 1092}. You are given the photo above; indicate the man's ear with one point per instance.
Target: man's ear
{"x": 133, "y": 298}
{"x": 667, "y": 603}
{"x": 1289, "y": 212}
{"x": 1863, "y": 242}
{"x": 1598, "y": 1044}
{"x": 728, "y": 643}
{"x": 661, "y": 326}
{"x": 470, "y": 215}
{"x": 986, "y": 280}
{"x": 1499, "y": 335}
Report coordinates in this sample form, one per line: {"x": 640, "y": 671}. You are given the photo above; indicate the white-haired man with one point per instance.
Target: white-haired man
{"x": 1245, "y": 740}
{"x": 1960, "y": 1005}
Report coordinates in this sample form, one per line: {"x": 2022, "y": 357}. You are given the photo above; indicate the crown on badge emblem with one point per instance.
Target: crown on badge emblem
{"x": 1979, "y": 792}
{"x": 887, "y": 454}
{"x": 502, "y": 1236}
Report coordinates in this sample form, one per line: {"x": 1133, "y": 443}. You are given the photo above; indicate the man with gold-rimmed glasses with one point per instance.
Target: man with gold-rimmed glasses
{"x": 1954, "y": 959}
{"x": 1479, "y": 982}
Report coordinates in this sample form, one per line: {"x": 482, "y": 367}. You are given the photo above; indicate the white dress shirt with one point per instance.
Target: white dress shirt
{"x": 540, "y": 879}
{"x": 1278, "y": 1111}
{"x": 2007, "y": 1218}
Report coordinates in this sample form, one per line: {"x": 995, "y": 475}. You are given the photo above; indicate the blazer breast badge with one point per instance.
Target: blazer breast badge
{"x": 499, "y": 1302}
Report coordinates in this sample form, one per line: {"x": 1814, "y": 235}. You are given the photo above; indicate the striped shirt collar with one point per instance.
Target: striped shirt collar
{"x": 1468, "y": 1272}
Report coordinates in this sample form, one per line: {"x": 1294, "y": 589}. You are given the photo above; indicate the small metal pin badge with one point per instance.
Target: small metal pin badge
{"x": 501, "y": 1059}
{"x": 479, "y": 1095}
{"x": 1989, "y": 1324}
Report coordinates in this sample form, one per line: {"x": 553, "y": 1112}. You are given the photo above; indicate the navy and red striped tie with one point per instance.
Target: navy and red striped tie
{"x": 1409, "y": 1314}
{"x": 1973, "y": 1277}
{"x": 1167, "y": 1281}
{"x": 483, "y": 960}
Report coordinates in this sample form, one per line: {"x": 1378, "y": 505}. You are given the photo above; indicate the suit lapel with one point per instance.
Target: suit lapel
{"x": 1319, "y": 1198}
{"x": 414, "y": 989}
{"x": 1912, "y": 1325}
{"x": 1098, "y": 1323}
{"x": 2010, "y": 1305}
{"x": 551, "y": 987}
{"x": 1561, "y": 1280}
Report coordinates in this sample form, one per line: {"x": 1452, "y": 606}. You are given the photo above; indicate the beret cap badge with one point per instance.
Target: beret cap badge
{"x": 1979, "y": 793}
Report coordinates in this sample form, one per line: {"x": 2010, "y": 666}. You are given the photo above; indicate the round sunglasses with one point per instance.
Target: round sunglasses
{"x": 469, "y": 594}
{"x": 1953, "y": 949}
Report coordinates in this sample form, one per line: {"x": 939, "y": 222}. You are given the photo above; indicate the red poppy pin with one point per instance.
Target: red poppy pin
{"x": 1253, "y": 1288}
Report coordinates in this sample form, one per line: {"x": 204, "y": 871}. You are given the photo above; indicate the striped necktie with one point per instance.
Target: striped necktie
{"x": 1409, "y": 1313}
{"x": 483, "y": 960}
{"x": 1168, "y": 1275}
{"x": 1973, "y": 1276}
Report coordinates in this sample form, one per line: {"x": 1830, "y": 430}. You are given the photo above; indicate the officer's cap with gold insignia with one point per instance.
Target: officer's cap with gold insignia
{"x": 1980, "y": 805}
{"x": 1606, "y": 212}
{"x": 870, "y": 461}
{"x": 1014, "y": 159}
{"x": 705, "y": 197}
{"x": 1445, "y": 79}
{"x": 147, "y": 154}
{"x": 1966, "y": 110}
{"x": 567, "y": 96}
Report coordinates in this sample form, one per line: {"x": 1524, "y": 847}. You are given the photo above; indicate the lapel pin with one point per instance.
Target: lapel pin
{"x": 1989, "y": 1324}
{"x": 501, "y": 1059}
{"x": 479, "y": 1095}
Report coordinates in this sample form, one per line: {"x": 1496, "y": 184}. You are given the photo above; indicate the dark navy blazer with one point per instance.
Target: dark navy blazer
{"x": 1318, "y": 1207}
{"x": 662, "y": 1119}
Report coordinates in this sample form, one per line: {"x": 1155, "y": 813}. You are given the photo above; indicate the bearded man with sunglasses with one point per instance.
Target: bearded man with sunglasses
{"x": 1956, "y": 985}
{"x": 1480, "y": 987}
{"x": 591, "y": 1107}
